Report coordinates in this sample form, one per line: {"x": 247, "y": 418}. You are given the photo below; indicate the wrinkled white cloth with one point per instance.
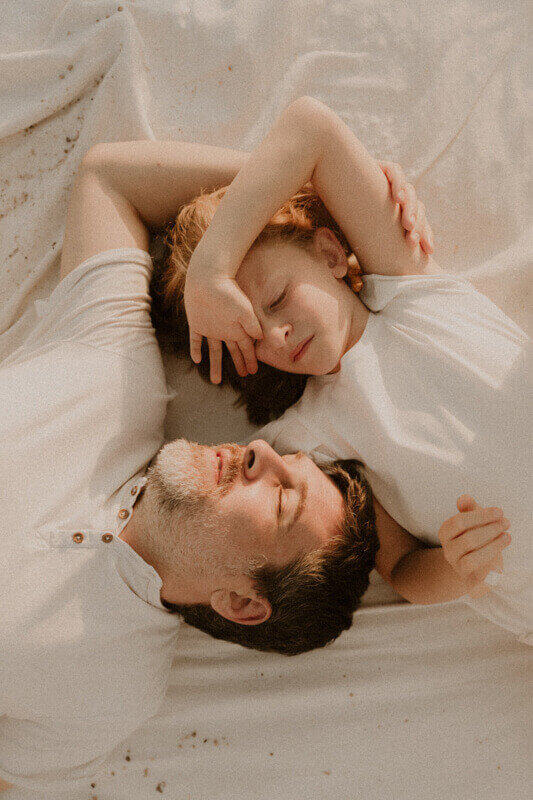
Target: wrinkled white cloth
{"x": 438, "y": 704}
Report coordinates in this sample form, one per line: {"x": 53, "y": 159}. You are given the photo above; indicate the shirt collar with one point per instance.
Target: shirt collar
{"x": 136, "y": 573}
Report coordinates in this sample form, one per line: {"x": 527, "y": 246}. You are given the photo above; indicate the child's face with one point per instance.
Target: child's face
{"x": 304, "y": 307}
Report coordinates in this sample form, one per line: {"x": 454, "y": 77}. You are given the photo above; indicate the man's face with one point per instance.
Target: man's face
{"x": 236, "y": 507}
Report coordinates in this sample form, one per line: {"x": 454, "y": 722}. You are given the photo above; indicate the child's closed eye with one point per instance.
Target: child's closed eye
{"x": 278, "y": 301}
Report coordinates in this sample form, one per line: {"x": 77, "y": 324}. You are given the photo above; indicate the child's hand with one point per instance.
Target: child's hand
{"x": 216, "y": 306}
{"x": 413, "y": 215}
{"x": 473, "y": 540}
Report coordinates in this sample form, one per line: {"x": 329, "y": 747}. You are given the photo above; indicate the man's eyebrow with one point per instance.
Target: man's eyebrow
{"x": 302, "y": 489}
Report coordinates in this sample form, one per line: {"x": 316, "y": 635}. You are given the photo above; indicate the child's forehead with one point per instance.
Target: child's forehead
{"x": 271, "y": 259}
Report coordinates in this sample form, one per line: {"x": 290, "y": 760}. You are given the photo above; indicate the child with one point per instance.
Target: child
{"x": 424, "y": 381}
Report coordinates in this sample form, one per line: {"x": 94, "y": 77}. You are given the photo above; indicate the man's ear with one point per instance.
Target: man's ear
{"x": 328, "y": 248}
{"x": 246, "y": 609}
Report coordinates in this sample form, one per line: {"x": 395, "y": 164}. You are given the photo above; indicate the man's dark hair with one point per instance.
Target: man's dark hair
{"x": 314, "y": 597}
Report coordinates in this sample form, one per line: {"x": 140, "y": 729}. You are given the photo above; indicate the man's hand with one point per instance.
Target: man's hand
{"x": 473, "y": 540}
{"x": 413, "y": 211}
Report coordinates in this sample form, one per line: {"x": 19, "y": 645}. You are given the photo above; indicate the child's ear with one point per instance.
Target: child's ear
{"x": 329, "y": 249}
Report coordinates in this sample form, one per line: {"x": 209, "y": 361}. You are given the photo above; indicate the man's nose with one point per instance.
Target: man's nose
{"x": 261, "y": 461}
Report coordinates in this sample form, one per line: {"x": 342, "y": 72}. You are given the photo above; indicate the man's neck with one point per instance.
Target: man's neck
{"x": 175, "y": 589}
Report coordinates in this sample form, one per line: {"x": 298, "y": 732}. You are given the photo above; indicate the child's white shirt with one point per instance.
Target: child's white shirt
{"x": 434, "y": 400}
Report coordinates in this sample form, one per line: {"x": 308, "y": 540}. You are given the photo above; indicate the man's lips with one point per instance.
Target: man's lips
{"x": 221, "y": 463}
{"x": 299, "y": 351}
{"x": 218, "y": 467}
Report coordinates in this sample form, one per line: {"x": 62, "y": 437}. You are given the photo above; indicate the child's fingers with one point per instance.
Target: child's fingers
{"x": 396, "y": 178}
{"x": 466, "y": 503}
{"x": 215, "y": 360}
{"x": 238, "y": 358}
{"x": 251, "y": 327}
{"x": 464, "y": 521}
{"x": 423, "y": 229}
{"x": 385, "y": 167}
{"x": 426, "y": 238}
{"x": 246, "y": 345}
{"x": 478, "y": 563}
{"x": 195, "y": 342}
{"x": 409, "y": 206}
{"x": 412, "y": 238}
{"x": 476, "y": 539}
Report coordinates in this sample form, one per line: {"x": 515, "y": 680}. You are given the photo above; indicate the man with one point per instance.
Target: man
{"x": 94, "y": 551}
{"x": 269, "y": 551}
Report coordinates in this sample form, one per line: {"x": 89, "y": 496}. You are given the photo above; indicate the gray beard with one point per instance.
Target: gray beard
{"x": 178, "y": 512}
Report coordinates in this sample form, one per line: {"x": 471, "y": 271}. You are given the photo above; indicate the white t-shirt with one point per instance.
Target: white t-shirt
{"x": 85, "y": 645}
{"x": 435, "y": 400}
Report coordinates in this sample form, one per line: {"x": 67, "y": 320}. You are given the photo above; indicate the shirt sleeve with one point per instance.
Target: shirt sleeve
{"x": 379, "y": 290}
{"x": 51, "y": 757}
{"x": 289, "y": 434}
{"x": 104, "y": 302}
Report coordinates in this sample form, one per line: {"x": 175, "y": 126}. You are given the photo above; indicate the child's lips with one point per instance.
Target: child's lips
{"x": 301, "y": 349}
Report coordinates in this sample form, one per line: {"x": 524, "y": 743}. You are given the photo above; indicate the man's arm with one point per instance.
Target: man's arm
{"x": 122, "y": 188}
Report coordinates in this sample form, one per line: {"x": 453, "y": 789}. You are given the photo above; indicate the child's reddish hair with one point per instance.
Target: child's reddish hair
{"x": 268, "y": 393}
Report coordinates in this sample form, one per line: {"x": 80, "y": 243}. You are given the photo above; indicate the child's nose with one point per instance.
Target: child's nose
{"x": 278, "y": 335}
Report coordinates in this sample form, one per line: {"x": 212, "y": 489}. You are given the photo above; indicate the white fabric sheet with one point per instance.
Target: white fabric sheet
{"x": 440, "y": 697}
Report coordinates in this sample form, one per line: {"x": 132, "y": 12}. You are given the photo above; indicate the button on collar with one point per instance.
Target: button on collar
{"x": 107, "y": 537}
{"x": 123, "y": 513}
{"x": 77, "y": 537}
{"x": 134, "y": 490}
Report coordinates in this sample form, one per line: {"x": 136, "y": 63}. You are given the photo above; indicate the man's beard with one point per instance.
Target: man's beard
{"x": 183, "y": 475}
{"x": 181, "y": 503}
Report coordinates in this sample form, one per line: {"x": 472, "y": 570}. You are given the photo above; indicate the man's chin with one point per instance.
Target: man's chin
{"x": 179, "y": 471}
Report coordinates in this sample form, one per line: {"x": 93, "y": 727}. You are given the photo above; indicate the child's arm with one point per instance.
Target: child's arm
{"x": 308, "y": 142}
{"x": 472, "y": 543}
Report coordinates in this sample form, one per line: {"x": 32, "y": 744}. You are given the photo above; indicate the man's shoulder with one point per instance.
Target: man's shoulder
{"x": 105, "y": 303}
